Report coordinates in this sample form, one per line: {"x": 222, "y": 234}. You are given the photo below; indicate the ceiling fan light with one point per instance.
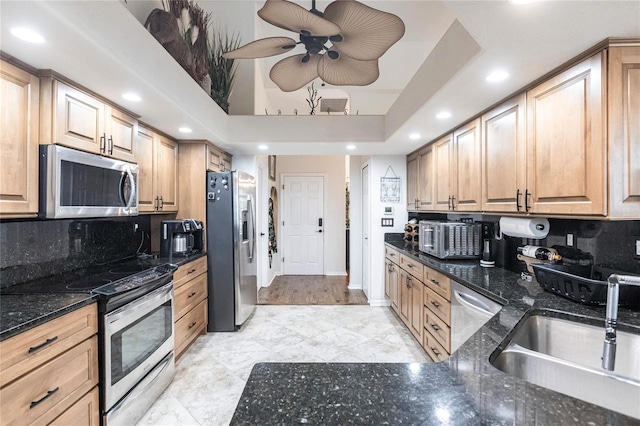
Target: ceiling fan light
{"x": 290, "y": 16}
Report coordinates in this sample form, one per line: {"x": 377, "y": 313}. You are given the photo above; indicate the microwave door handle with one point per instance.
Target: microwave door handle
{"x": 132, "y": 182}
{"x": 121, "y": 190}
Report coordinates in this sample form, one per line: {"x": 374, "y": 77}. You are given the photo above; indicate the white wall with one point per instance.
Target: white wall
{"x": 377, "y": 168}
{"x": 333, "y": 167}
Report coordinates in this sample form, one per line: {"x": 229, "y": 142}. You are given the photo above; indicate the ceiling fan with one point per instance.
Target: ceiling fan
{"x": 358, "y": 36}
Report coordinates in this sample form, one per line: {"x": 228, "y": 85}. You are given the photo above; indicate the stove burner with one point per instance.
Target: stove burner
{"x": 87, "y": 285}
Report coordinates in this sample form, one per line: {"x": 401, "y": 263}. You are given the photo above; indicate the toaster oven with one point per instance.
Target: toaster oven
{"x": 451, "y": 240}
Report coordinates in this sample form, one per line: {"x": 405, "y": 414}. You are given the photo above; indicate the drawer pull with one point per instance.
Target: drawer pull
{"x": 43, "y": 344}
{"x": 409, "y": 265}
{"x": 435, "y": 327}
{"x": 191, "y": 271}
{"x": 434, "y": 303}
{"x": 192, "y": 325}
{"x": 435, "y": 351}
{"x": 436, "y": 282}
{"x": 49, "y": 393}
{"x": 191, "y": 295}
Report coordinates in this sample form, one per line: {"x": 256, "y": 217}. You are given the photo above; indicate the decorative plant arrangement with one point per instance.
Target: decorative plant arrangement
{"x": 182, "y": 29}
{"x": 313, "y": 100}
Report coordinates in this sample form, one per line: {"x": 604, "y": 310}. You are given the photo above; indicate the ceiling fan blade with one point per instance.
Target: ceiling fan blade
{"x": 290, "y": 16}
{"x": 291, "y": 73}
{"x": 262, "y": 48}
{"x": 367, "y": 32}
{"x": 346, "y": 71}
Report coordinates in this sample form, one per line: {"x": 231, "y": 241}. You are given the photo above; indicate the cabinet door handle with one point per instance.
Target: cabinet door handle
{"x": 453, "y": 202}
{"x": 156, "y": 204}
{"x": 111, "y": 145}
{"x": 435, "y": 351}
{"x": 518, "y": 194}
{"x": 49, "y": 393}
{"x": 435, "y": 327}
{"x": 103, "y": 143}
{"x": 161, "y": 204}
{"x": 435, "y": 282}
{"x": 192, "y": 325}
{"x": 191, "y": 271}
{"x": 526, "y": 200}
{"x": 436, "y": 304}
{"x": 409, "y": 265}
{"x": 191, "y": 295}
{"x": 408, "y": 282}
{"x": 43, "y": 344}
{"x": 449, "y": 203}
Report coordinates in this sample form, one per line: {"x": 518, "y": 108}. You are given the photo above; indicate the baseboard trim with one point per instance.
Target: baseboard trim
{"x": 356, "y": 286}
{"x": 379, "y": 302}
{"x": 336, "y": 274}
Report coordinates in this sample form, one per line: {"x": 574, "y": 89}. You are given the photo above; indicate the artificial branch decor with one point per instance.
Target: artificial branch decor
{"x": 222, "y": 70}
{"x": 313, "y": 99}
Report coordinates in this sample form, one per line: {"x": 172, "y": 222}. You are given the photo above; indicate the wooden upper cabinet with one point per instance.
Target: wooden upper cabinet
{"x": 19, "y": 115}
{"x": 79, "y": 119}
{"x": 467, "y": 195}
{"x": 624, "y": 131}
{"x": 157, "y": 158}
{"x": 146, "y": 170}
{"x": 442, "y": 160}
{"x": 504, "y": 169}
{"x": 121, "y": 130}
{"x": 566, "y": 139}
{"x": 76, "y": 119}
{"x": 412, "y": 182}
{"x": 226, "y": 163}
{"x": 167, "y": 174}
{"x": 425, "y": 179}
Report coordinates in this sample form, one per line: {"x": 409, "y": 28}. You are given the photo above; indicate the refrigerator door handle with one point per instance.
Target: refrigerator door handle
{"x": 252, "y": 228}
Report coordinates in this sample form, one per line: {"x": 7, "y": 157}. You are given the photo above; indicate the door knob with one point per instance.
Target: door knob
{"x": 320, "y": 231}
{"x": 262, "y": 234}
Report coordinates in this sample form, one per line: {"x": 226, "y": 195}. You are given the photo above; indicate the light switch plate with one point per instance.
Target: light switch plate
{"x": 570, "y": 240}
{"x": 637, "y": 248}
{"x": 386, "y": 222}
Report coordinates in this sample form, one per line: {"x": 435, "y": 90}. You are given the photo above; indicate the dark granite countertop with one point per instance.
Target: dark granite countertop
{"x": 464, "y": 389}
{"x": 21, "y": 312}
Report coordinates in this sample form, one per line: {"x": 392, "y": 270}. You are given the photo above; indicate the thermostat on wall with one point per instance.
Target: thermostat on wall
{"x": 388, "y": 210}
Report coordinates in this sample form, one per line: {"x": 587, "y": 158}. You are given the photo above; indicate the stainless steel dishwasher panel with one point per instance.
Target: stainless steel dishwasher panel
{"x": 469, "y": 312}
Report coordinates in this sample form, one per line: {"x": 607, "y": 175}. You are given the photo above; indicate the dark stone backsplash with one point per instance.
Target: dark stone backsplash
{"x": 40, "y": 248}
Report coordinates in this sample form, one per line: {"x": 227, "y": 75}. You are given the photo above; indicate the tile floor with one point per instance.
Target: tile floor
{"x": 211, "y": 375}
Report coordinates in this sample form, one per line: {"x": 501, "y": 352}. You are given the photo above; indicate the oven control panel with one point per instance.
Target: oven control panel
{"x": 137, "y": 280}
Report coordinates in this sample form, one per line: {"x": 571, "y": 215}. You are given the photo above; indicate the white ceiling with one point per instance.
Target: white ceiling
{"x": 441, "y": 63}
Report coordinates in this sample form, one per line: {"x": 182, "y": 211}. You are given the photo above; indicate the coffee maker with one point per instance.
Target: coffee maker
{"x": 181, "y": 237}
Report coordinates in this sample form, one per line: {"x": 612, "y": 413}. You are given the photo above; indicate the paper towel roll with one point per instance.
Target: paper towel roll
{"x": 525, "y": 228}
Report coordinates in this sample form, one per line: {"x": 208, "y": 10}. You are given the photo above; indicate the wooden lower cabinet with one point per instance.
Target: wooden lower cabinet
{"x": 417, "y": 308}
{"x": 85, "y": 412}
{"x": 404, "y": 297}
{"x": 190, "y": 303}
{"x": 391, "y": 283}
{"x": 433, "y": 348}
{"x": 437, "y": 315}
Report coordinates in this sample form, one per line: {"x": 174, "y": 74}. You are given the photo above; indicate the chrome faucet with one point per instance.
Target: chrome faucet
{"x": 613, "y": 289}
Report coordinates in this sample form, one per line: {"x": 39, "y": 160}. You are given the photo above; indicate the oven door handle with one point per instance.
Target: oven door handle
{"x": 131, "y": 312}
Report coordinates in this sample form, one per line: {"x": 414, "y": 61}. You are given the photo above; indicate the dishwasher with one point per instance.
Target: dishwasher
{"x": 469, "y": 312}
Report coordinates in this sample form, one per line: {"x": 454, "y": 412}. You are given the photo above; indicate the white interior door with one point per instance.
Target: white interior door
{"x": 365, "y": 230}
{"x": 263, "y": 232}
{"x": 302, "y": 225}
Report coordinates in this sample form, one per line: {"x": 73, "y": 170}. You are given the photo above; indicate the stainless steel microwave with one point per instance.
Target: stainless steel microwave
{"x": 77, "y": 184}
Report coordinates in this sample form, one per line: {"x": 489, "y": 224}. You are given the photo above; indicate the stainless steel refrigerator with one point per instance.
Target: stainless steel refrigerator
{"x": 231, "y": 249}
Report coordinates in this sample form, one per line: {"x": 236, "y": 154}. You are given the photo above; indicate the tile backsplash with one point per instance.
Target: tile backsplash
{"x": 36, "y": 249}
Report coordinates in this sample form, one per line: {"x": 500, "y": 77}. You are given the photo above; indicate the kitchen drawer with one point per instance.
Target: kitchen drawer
{"x": 438, "y": 328}
{"x": 28, "y": 350}
{"x": 412, "y": 266}
{"x": 438, "y": 282}
{"x": 188, "y": 271}
{"x": 392, "y": 254}
{"x": 189, "y": 295}
{"x": 189, "y": 327}
{"x": 433, "y": 348}
{"x": 85, "y": 412}
{"x": 437, "y": 304}
{"x": 49, "y": 390}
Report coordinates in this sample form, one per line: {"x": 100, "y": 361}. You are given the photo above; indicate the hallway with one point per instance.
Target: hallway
{"x": 310, "y": 290}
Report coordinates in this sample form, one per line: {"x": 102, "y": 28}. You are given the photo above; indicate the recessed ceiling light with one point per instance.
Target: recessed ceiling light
{"x": 351, "y": 147}
{"x": 184, "y": 130}
{"x": 263, "y": 147}
{"x": 131, "y": 97}
{"x": 497, "y": 75}
{"x": 442, "y": 115}
{"x": 27, "y": 34}
{"x": 414, "y": 136}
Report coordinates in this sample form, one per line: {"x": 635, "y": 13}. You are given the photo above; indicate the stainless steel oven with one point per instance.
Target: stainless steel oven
{"x": 77, "y": 184}
{"x": 138, "y": 362}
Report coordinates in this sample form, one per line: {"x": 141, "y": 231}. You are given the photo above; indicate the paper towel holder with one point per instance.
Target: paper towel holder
{"x": 536, "y": 228}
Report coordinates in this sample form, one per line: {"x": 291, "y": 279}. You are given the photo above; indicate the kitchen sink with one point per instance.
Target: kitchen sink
{"x": 565, "y": 356}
